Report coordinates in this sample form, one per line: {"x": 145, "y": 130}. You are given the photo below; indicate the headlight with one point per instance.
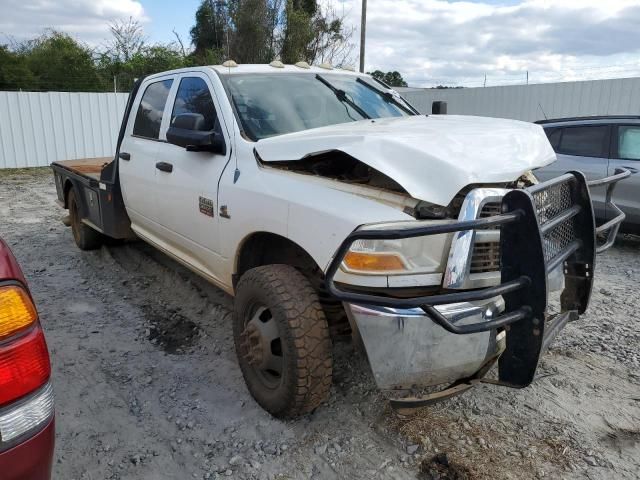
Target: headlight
{"x": 404, "y": 262}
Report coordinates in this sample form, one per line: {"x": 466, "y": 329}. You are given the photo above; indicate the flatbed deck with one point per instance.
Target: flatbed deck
{"x": 90, "y": 167}
{"x": 97, "y": 193}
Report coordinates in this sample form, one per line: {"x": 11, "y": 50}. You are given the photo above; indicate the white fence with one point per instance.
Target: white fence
{"x": 39, "y": 128}
{"x": 535, "y": 102}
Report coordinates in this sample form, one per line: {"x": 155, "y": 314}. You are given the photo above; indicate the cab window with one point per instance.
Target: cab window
{"x": 151, "y": 108}
{"x": 587, "y": 141}
{"x": 194, "y": 98}
{"x": 629, "y": 143}
{"x": 553, "y": 134}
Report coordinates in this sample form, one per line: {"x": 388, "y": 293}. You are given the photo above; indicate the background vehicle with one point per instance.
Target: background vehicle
{"x": 323, "y": 201}
{"x": 26, "y": 396}
{"x": 597, "y": 146}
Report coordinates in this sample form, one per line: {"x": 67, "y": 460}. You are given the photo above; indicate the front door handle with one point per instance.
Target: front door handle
{"x": 164, "y": 167}
{"x": 124, "y": 156}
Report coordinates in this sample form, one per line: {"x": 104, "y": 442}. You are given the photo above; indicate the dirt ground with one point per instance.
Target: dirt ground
{"x": 147, "y": 385}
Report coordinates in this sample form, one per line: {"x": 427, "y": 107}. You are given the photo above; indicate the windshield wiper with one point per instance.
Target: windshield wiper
{"x": 342, "y": 96}
{"x": 388, "y": 97}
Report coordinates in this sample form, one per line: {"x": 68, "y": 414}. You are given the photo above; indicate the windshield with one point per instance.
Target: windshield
{"x": 275, "y": 104}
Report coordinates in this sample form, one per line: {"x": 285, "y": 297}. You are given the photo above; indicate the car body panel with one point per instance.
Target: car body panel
{"x": 32, "y": 459}
{"x": 592, "y": 167}
{"x": 627, "y": 193}
{"x": 463, "y": 150}
{"x": 9, "y": 268}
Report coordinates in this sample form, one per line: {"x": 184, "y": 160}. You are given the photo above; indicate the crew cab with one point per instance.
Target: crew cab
{"x": 325, "y": 203}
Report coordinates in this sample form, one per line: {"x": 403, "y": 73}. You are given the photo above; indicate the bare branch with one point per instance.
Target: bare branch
{"x": 179, "y": 40}
{"x": 128, "y": 39}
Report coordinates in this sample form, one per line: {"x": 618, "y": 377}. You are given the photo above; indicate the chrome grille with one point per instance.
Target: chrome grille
{"x": 476, "y": 251}
{"x": 485, "y": 257}
{"x": 490, "y": 209}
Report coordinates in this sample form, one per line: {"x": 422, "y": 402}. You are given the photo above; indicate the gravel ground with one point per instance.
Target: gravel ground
{"x": 147, "y": 385}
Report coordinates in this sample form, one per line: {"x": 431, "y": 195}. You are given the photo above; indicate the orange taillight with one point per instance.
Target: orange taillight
{"x": 17, "y": 311}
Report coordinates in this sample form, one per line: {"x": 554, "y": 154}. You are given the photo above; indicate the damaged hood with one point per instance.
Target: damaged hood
{"x": 431, "y": 157}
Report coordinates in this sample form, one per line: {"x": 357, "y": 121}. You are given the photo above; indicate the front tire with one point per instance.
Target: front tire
{"x": 282, "y": 340}
{"x": 86, "y": 238}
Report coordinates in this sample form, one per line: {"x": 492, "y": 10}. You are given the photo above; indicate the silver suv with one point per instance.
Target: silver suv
{"x": 597, "y": 146}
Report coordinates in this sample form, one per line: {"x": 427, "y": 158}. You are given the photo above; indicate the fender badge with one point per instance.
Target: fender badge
{"x": 224, "y": 212}
{"x": 206, "y": 206}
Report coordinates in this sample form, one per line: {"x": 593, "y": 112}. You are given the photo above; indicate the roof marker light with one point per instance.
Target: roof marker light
{"x": 277, "y": 64}
{"x": 230, "y": 64}
{"x": 326, "y": 66}
{"x": 303, "y": 65}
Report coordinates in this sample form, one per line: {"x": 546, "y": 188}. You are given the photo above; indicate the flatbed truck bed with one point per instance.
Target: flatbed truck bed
{"x": 89, "y": 167}
{"x": 97, "y": 193}
{"x": 96, "y": 186}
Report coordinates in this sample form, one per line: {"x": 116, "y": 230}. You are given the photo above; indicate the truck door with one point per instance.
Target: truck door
{"x": 626, "y": 154}
{"x": 187, "y": 182}
{"x": 138, "y": 154}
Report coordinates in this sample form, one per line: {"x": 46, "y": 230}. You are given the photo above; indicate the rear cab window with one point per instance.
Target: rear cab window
{"x": 584, "y": 141}
{"x": 151, "y": 109}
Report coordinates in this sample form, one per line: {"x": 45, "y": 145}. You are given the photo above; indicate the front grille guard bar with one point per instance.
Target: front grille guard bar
{"x": 429, "y": 301}
{"x": 612, "y": 225}
{"x": 519, "y": 214}
{"x": 542, "y": 228}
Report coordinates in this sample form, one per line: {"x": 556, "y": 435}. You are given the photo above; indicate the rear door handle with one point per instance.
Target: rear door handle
{"x": 164, "y": 167}
{"x": 124, "y": 156}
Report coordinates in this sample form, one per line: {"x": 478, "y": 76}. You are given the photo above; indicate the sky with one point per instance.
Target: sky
{"x": 430, "y": 42}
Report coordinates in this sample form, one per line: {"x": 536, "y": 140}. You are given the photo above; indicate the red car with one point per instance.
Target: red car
{"x": 26, "y": 396}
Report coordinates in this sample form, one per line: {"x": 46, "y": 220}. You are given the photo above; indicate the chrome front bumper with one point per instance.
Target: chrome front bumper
{"x": 406, "y": 349}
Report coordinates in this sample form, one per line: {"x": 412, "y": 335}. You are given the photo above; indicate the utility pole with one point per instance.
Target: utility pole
{"x": 527, "y": 77}
{"x": 363, "y": 33}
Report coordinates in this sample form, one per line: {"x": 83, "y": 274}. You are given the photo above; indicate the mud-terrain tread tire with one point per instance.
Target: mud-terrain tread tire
{"x": 86, "y": 238}
{"x": 304, "y": 333}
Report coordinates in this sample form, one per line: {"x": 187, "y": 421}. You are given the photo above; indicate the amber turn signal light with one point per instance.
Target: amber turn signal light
{"x": 373, "y": 262}
{"x": 16, "y": 310}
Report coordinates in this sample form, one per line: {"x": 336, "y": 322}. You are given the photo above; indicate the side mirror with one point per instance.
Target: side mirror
{"x": 439, "y": 108}
{"x": 185, "y": 132}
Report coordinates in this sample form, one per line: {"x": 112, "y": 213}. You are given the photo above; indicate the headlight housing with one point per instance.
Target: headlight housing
{"x": 417, "y": 261}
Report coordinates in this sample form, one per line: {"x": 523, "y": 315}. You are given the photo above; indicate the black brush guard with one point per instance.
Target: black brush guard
{"x": 543, "y": 227}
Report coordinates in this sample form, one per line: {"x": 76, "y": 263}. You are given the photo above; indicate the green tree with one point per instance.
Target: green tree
{"x": 250, "y": 42}
{"x": 298, "y": 30}
{"x": 58, "y": 62}
{"x": 14, "y": 72}
{"x": 393, "y": 79}
{"x": 209, "y": 33}
{"x": 331, "y": 41}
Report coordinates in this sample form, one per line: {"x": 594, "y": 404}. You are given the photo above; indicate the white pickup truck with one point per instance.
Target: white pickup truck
{"x": 324, "y": 202}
